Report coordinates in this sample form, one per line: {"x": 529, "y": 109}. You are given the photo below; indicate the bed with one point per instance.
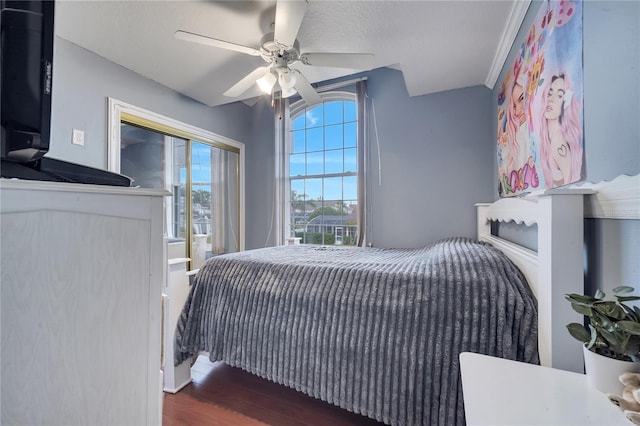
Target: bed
{"x": 379, "y": 331}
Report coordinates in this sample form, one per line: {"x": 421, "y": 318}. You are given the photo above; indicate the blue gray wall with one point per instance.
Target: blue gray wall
{"x": 260, "y": 188}
{"x": 612, "y": 134}
{"x": 436, "y": 156}
{"x": 82, "y": 81}
{"x": 611, "y": 53}
{"x": 435, "y": 163}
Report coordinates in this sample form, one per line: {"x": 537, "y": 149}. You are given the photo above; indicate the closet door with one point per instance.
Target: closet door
{"x": 203, "y": 178}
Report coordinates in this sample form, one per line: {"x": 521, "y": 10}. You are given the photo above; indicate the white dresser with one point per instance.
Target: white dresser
{"x": 81, "y": 282}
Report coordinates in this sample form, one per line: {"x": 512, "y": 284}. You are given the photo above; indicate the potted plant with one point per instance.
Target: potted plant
{"x": 611, "y": 337}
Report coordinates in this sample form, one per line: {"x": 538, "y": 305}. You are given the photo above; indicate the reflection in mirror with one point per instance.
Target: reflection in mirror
{"x": 142, "y": 156}
{"x": 157, "y": 160}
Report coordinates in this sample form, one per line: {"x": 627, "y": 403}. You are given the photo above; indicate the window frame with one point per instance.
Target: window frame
{"x": 297, "y": 108}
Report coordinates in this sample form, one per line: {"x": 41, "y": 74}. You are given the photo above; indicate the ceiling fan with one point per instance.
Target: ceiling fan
{"x": 281, "y": 49}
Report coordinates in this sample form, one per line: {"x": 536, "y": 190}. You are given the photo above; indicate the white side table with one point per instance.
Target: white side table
{"x": 502, "y": 392}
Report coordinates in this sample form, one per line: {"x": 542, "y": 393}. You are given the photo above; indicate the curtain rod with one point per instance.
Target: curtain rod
{"x": 339, "y": 85}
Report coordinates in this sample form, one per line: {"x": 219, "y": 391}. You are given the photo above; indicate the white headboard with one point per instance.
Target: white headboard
{"x": 557, "y": 268}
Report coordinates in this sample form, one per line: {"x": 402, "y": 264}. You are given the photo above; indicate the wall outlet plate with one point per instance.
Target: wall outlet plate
{"x": 77, "y": 137}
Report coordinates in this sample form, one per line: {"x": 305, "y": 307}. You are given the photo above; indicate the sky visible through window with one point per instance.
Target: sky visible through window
{"x": 201, "y": 166}
{"x": 323, "y": 142}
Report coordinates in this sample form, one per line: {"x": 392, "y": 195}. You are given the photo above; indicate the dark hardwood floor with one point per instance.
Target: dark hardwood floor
{"x": 221, "y": 395}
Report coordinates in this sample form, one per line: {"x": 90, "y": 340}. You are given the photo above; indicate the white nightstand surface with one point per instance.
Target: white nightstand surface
{"x": 502, "y": 392}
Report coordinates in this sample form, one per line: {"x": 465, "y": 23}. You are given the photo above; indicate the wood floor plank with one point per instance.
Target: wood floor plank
{"x": 220, "y": 395}
{"x": 184, "y": 410}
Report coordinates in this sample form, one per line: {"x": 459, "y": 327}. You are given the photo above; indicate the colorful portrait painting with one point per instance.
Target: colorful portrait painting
{"x": 540, "y": 105}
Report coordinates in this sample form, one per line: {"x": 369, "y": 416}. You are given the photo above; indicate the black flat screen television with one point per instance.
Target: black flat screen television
{"x": 26, "y": 88}
{"x": 27, "y": 77}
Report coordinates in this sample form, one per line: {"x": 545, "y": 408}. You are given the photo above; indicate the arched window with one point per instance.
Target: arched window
{"x": 322, "y": 158}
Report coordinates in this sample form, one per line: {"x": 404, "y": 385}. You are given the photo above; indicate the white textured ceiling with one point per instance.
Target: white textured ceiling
{"x": 438, "y": 45}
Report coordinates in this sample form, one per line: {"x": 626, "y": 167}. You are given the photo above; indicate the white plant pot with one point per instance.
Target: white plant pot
{"x": 603, "y": 373}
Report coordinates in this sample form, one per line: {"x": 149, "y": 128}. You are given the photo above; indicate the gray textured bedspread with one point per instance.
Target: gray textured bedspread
{"x": 374, "y": 331}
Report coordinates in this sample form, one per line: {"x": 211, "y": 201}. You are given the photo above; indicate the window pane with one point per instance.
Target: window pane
{"x": 351, "y": 207}
{"x": 297, "y": 138}
{"x": 350, "y": 132}
{"x": 315, "y": 163}
{"x": 314, "y": 116}
{"x": 350, "y": 160}
{"x": 200, "y": 165}
{"x": 332, "y": 112}
{"x": 351, "y": 223}
{"x": 333, "y": 137}
{"x": 313, "y": 189}
{"x": 296, "y": 164}
{"x": 201, "y": 191}
{"x": 333, "y": 161}
{"x": 299, "y": 216}
{"x": 298, "y": 122}
{"x": 350, "y": 111}
{"x": 314, "y": 139}
{"x": 297, "y": 203}
{"x": 350, "y": 187}
{"x": 333, "y": 189}
{"x": 309, "y": 206}
{"x": 297, "y": 190}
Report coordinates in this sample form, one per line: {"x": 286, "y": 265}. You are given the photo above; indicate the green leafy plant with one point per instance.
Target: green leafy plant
{"x": 613, "y": 329}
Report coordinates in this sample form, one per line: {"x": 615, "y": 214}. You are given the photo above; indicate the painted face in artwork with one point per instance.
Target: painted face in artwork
{"x": 555, "y": 99}
{"x": 517, "y": 99}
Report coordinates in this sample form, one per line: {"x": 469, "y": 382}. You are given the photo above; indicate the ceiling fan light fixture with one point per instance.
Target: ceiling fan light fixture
{"x": 288, "y": 92}
{"x": 266, "y": 82}
{"x": 287, "y": 79}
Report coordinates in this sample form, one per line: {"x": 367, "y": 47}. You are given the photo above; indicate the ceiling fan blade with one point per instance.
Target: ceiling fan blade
{"x": 363, "y": 61}
{"x": 307, "y": 91}
{"x": 214, "y": 42}
{"x": 243, "y": 85}
{"x": 289, "y": 15}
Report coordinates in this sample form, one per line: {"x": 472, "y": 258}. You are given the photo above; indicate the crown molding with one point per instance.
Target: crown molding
{"x": 516, "y": 16}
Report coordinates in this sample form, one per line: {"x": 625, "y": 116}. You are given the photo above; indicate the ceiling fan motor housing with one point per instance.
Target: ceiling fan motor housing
{"x": 278, "y": 54}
